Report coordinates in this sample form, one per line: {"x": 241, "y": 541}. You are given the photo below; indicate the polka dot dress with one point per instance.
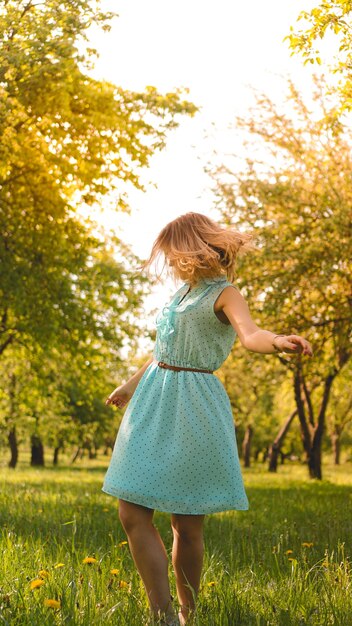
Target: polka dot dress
{"x": 176, "y": 447}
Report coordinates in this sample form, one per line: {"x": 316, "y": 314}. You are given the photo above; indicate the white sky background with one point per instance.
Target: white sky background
{"x": 217, "y": 50}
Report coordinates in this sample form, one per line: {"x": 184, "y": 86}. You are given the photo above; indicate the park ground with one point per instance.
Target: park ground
{"x": 286, "y": 561}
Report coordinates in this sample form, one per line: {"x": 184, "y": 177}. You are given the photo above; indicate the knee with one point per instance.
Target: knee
{"x": 132, "y": 518}
{"x": 188, "y": 534}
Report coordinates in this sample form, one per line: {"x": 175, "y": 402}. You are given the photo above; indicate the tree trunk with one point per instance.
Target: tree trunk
{"x": 275, "y": 448}
{"x": 256, "y": 454}
{"x": 304, "y": 426}
{"x": 336, "y": 447}
{"x": 10, "y": 421}
{"x": 109, "y": 444}
{"x": 58, "y": 447}
{"x": 12, "y": 439}
{"x": 246, "y": 446}
{"x": 37, "y": 451}
{"x": 311, "y": 431}
{"x": 91, "y": 452}
{"x": 76, "y": 455}
{"x": 314, "y": 463}
{"x": 56, "y": 455}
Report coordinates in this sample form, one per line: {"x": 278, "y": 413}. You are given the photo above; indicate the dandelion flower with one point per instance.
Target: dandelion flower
{"x": 44, "y": 573}
{"x": 307, "y": 544}
{"x": 122, "y": 543}
{"x": 114, "y": 572}
{"x": 123, "y": 584}
{"x": 52, "y": 604}
{"x": 211, "y": 584}
{"x": 89, "y": 560}
{"x": 59, "y": 565}
{"x": 35, "y": 584}
{"x": 105, "y": 510}
{"x": 289, "y": 552}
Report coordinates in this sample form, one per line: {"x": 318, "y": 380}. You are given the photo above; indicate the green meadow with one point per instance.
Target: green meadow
{"x": 286, "y": 561}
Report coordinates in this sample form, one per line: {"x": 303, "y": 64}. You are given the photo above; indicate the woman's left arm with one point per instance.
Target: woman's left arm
{"x": 250, "y": 335}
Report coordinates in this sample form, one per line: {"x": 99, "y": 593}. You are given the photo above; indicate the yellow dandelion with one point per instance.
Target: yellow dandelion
{"x": 291, "y": 559}
{"x": 307, "y": 544}
{"x": 114, "y": 572}
{"x": 212, "y": 583}
{"x": 289, "y": 552}
{"x": 43, "y": 573}
{"x": 106, "y": 510}
{"x": 122, "y": 543}
{"x": 58, "y": 565}
{"x": 123, "y": 584}
{"x": 35, "y": 584}
{"x": 52, "y": 604}
{"x": 89, "y": 560}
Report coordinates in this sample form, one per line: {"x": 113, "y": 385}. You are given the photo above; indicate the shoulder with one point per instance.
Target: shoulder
{"x": 229, "y": 295}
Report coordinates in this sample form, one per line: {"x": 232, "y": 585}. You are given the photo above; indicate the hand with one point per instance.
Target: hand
{"x": 120, "y": 396}
{"x": 293, "y": 344}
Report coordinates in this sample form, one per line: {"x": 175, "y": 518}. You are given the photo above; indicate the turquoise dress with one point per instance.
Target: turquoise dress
{"x": 176, "y": 447}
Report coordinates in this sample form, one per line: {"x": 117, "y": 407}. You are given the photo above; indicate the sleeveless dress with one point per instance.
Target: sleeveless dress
{"x": 176, "y": 447}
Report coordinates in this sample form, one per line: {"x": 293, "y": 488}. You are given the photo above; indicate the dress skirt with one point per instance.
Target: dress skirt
{"x": 176, "y": 448}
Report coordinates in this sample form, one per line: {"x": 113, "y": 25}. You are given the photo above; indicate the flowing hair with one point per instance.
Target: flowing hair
{"x": 196, "y": 247}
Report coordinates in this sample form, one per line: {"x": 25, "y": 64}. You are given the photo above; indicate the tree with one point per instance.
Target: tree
{"x": 66, "y": 140}
{"x": 252, "y": 383}
{"x": 340, "y": 412}
{"x": 296, "y": 198}
{"x": 329, "y": 16}
{"x": 57, "y": 399}
{"x": 275, "y": 448}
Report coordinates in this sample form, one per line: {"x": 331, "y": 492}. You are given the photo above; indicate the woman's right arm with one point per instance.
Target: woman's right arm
{"x": 122, "y": 394}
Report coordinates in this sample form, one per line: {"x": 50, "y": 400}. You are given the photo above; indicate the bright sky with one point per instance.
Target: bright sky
{"x": 217, "y": 50}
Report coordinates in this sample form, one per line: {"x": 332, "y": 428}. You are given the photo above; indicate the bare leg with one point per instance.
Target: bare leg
{"x": 187, "y": 559}
{"x": 149, "y": 555}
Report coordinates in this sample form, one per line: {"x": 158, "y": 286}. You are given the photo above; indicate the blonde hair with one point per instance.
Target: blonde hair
{"x": 197, "y": 247}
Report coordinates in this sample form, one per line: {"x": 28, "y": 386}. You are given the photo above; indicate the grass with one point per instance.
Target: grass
{"x": 51, "y": 519}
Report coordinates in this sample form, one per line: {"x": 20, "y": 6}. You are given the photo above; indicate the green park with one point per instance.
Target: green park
{"x": 75, "y": 320}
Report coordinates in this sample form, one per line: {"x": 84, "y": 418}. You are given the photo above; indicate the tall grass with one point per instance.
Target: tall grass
{"x": 286, "y": 561}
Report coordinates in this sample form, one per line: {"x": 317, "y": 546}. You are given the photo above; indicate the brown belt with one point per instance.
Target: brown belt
{"x": 175, "y": 368}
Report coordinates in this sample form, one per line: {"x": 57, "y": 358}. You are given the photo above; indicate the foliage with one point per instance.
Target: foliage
{"x": 67, "y": 140}
{"x": 82, "y": 134}
{"x": 260, "y": 394}
{"x": 333, "y": 17}
{"x": 71, "y": 295}
{"x": 297, "y": 204}
{"x": 60, "y": 397}
{"x": 296, "y": 198}
{"x": 339, "y": 416}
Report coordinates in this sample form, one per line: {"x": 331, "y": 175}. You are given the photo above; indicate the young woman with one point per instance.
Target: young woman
{"x": 176, "y": 448}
